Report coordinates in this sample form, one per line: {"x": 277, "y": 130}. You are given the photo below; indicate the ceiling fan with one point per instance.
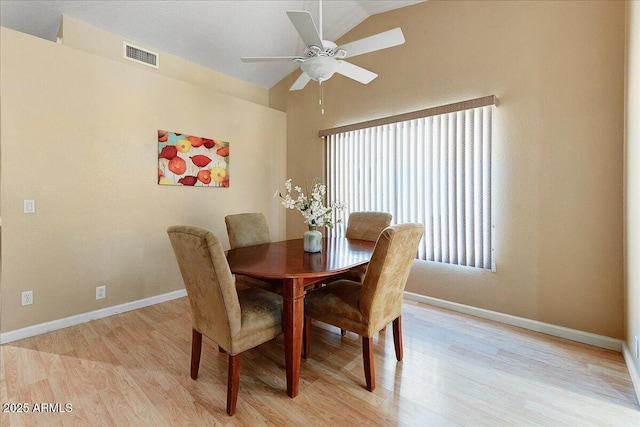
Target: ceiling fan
{"x": 322, "y": 58}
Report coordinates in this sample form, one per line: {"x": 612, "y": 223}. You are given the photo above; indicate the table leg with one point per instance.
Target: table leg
{"x": 292, "y": 323}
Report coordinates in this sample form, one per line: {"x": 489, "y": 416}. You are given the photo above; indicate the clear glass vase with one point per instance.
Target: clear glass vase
{"x": 312, "y": 240}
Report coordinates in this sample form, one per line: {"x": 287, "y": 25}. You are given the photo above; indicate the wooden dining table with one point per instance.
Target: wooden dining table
{"x": 287, "y": 264}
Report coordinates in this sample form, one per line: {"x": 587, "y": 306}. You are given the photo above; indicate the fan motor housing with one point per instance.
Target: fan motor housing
{"x": 328, "y": 50}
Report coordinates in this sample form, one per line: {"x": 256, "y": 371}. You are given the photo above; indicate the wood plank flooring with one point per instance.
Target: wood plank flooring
{"x": 132, "y": 369}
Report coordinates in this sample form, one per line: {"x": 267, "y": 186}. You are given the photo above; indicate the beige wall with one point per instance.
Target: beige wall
{"x": 79, "y": 135}
{"x": 632, "y": 181}
{"x": 80, "y": 35}
{"x": 557, "y": 68}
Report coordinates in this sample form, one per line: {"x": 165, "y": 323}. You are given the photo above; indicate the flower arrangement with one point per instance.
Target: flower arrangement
{"x": 310, "y": 204}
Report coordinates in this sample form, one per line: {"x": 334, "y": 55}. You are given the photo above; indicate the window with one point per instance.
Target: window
{"x": 432, "y": 167}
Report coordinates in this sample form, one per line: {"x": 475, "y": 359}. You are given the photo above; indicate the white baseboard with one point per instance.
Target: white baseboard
{"x": 42, "y": 328}
{"x": 533, "y": 325}
{"x": 635, "y": 378}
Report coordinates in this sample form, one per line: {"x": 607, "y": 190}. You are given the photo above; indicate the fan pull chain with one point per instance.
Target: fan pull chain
{"x": 321, "y": 96}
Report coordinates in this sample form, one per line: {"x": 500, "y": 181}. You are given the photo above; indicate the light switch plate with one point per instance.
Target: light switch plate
{"x": 29, "y": 206}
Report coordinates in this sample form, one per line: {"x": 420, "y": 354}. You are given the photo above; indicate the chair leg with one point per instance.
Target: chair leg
{"x": 196, "y": 349}
{"x": 306, "y": 338}
{"x": 367, "y": 357}
{"x": 397, "y": 337}
{"x": 233, "y": 383}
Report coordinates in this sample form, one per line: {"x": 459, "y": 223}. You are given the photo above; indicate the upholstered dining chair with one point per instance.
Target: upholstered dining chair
{"x": 236, "y": 320}
{"x": 249, "y": 229}
{"x": 365, "y": 308}
{"x": 365, "y": 226}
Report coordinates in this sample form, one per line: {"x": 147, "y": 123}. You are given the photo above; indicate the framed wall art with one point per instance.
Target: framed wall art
{"x": 192, "y": 160}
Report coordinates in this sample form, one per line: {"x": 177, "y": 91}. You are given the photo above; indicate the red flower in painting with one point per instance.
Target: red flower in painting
{"x": 204, "y": 176}
{"x": 188, "y": 180}
{"x": 200, "y": 160}
{"x": 195, "y": 141}
{"x": 177, "y": 166}
{"x": 168, "y": 152}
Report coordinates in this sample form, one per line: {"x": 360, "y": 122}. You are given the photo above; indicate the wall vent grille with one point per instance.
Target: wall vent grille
{"x": 141, "y": 56}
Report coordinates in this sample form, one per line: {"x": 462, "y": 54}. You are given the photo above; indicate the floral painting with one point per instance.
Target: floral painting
{"x": 192, "y": 160}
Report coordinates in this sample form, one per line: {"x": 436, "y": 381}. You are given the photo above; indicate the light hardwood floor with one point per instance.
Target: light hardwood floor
{"x": 458, "y": 370}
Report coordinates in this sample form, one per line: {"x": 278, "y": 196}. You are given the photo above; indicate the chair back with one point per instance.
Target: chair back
{"x": 215, "y": 308}
{"x": 386, "y": 276}
{"x": 367, "y": 225}
{"x": 247, "y": 229}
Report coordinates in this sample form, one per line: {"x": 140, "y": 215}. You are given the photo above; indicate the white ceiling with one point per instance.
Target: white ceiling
{"x": 213, "y": 33}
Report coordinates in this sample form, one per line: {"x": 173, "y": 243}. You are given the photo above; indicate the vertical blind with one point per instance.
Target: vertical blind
{"x": 434, "y": 170}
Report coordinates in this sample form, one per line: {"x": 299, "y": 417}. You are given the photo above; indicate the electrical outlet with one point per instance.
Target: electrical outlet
{"x": 27, "y": 298}
{"x": 637, "y": 348}
{"x": 101, "y": 292}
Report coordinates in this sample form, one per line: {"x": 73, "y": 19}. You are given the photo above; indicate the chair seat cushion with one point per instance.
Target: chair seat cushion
{"x": 261, "y": 319}
{"x": 337, "y": 304}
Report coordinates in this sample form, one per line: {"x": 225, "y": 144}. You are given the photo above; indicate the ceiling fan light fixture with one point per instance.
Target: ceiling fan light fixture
{"x": 320, "y": 68}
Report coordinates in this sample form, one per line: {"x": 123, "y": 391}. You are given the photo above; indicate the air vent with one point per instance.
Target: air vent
{"x": 141, "y": 56}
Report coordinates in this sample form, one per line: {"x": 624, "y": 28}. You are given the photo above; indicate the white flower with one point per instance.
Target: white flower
{"x": 310, "y": 204}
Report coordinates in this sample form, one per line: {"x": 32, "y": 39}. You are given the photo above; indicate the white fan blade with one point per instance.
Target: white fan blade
{"x": 356, "y": 73}
{"x": 372, "y": 43}
{"x": 303, "y": 21}
{"x": 301, "y": 82}
{"x": 270, "y": 58}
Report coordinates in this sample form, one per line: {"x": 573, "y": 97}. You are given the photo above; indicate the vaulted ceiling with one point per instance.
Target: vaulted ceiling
{"x": 214, "y": 33}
